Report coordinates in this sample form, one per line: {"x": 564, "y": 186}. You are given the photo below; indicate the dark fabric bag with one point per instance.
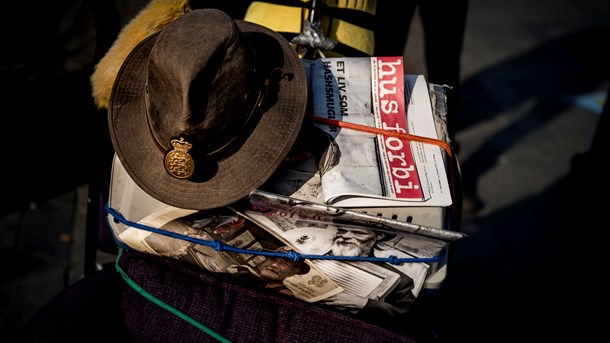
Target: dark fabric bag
{"x": 104, "y": 306}
{"x": 236, "y": 311}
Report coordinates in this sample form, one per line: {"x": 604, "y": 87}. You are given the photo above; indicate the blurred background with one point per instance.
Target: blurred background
{"x": 534, "y": 80}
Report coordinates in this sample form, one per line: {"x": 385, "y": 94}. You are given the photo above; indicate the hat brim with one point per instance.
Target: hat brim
{"x": 135, "y": 205}
{"x": 237, "y": 175}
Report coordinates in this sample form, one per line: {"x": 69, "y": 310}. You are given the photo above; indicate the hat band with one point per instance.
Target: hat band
{"x": 228, "y": 148}
{"x": 180, "y": 164}
{"x": 222, "y": 152}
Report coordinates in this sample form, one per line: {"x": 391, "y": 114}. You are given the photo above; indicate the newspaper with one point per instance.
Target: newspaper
{"x": 363, "y": 169}
{"x": 297, "y": 209}
{"x": 364, "y": 279}
{"x": 231, "y": 228}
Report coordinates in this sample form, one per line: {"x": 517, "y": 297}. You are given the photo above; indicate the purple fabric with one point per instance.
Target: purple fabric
{"x": 90, "y": 307}
{"x": 238, "y": 312}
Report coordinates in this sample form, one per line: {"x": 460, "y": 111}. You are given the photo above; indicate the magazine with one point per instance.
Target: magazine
{"x": 361, "y": 169}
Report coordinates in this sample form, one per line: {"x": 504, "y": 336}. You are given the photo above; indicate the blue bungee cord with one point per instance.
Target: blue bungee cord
{"x": 294, "y": 256}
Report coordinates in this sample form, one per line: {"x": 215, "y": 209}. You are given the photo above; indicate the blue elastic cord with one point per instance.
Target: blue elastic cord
{"x": 219, "y": 246}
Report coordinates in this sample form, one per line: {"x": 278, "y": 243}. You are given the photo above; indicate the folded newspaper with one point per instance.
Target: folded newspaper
{"x": 363, "y": 169}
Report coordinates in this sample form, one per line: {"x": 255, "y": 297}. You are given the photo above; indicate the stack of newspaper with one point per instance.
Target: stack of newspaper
{"x": 340, "y": 257}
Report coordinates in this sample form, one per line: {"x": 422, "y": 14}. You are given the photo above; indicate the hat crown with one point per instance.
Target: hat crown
{"x": 205, "y": 110}
{"x": 202, "y": 82}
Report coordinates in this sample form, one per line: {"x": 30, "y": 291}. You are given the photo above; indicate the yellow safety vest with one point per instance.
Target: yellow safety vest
{"x": 348, "y": 22}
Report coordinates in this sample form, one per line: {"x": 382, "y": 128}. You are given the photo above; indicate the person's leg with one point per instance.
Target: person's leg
{"x": 392, "y": 22}
{"x": 444, "y": 23}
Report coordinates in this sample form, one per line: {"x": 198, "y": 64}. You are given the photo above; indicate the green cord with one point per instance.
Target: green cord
{"x": 164, "y": 305}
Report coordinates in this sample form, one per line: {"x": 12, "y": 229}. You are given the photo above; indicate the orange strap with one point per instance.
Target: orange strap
{"x": 378, "y": 131}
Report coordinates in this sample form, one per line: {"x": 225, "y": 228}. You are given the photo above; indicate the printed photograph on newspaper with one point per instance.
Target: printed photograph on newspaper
{"x": 373, "y": 287}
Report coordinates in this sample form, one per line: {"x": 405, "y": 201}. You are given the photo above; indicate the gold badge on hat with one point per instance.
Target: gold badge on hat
{"x": 178, "y": 162}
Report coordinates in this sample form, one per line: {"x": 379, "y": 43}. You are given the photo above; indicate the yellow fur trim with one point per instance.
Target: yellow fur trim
{"x": 151, "y": 19}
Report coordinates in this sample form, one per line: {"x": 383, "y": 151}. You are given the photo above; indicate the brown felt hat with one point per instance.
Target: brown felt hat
{"x": 204, "y": 111}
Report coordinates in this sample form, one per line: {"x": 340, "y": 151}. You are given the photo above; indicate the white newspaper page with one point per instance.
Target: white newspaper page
{"x": 341, "y": 90}
{"x": 429, "y": 157}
